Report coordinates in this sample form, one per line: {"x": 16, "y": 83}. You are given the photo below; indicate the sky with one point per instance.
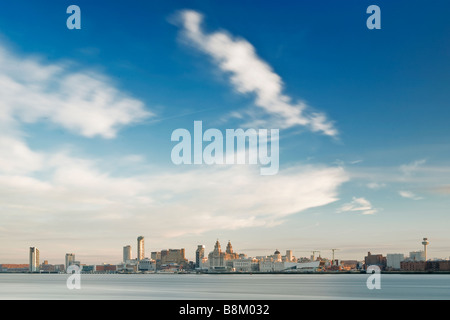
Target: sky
{"x": 86, "y": 118}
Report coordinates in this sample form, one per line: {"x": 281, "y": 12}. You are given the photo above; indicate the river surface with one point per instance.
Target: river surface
{"x": 224, "y": 287}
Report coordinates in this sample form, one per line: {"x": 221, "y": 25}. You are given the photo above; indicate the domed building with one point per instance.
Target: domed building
{"x": 277, "y": 256}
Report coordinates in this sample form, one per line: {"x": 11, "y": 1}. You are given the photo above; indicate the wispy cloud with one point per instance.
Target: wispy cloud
{"x": 410, "y": 168}
{"x": 359, "y": 205}
{"x": 375, "y": 185}
{"x": 249, "y": 74}
{"x": 409, "y": 195}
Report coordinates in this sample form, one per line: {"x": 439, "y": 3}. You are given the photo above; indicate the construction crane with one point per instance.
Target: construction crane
{"x": 333, "y": 250}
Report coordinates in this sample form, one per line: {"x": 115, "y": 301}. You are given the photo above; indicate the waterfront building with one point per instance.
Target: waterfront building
{"x": 127, "y": 254}
{"x": 271, "y": 266}
{"x": 105, "y": 268}
{"x": 429, "y": 266}
{"x": 156, "y": 255}
{"x": 70, "y": 259}
{"x": 14, "y": 267}
{"x": 34, "y": 259}
{"x": 147, "y": 265}
{"x": 220, "y": 260}
{"x": 289, "y": 256}
{"x": 280, "y": 266}
{"x": 88, "y": 269}
{"x": 50, "y": 268}
{"x": 375, "y": 259}
{"x": 204, "y": 263}
{"x": 348, "y": 265}
{"x": 277, "y": 256}
{"x": 127, "y": 268}
{"x": 245, "y": 265}
{"x": 199, "y": 255}
{"x": 417, "y": 256}
{"x": 140, "y": 248}
{"x": 393, "y": 260}
{"x": 413, "y": 265}
{"x": 438, "y": 265}
{"x": 176, "y": 256}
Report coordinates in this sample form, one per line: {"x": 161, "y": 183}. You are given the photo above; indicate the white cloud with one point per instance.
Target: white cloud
{"x": 84, "y": 102}
{"x": 17, "y": 157}
{"x": 359, "y": 205}
{"x": 77, "y": 199}
{"x": 409, "y": 169}
{"x": 409, "y": 195}
{"x": 250, "y": 74}
{"x": 375, "y": 185}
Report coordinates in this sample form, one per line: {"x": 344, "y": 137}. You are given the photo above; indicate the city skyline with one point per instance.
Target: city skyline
{"x": 86, "y": 118}
{"x": 328, "y": 253}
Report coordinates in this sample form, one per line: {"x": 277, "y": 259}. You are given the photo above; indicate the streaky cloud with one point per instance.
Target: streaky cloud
{"x": 249, "y": 74}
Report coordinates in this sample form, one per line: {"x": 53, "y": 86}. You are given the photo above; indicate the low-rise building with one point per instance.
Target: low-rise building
{"x": 438, "y": 265}
{"x": 245, "y": 265}
{"x": 444, "y": 265}
{"x": 127, "y": 268}
{"x": 147, "y": 265}
{"x": 105, "y": 268}
{"x": 375, "y": 259}
{"x": 52, "y": 268}
{"x": 348, "y": 265}
{"x": 413, "y": 265}
{"x": 14, "y": 267}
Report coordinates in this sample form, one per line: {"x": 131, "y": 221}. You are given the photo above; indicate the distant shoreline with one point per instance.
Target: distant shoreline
{"x": 243, "y": 273}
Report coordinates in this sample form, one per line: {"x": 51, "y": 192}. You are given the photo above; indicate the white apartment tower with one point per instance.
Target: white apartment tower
{"x": 140, "y": 248}
{"x": 126, "y": 253}
{"x": 34, "y": 259}
{"x": 70, "y": 259}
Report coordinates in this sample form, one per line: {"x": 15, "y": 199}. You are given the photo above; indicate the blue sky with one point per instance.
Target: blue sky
{"x": 87, "y": 117}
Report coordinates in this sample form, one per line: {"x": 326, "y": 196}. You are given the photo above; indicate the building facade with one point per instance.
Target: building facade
{"x": 246, "y": 265}
{"x": 199, "y": 255}
{"x": 147, "y": 265}
{"x": 34, "y": 259}
{"x": 70, "y": 259}
{"x": 417, "y": 256}
{"x": 289, "y": 256}
{"x": 127, "y": 254}
{"x": 393, "y": 260}
{"x": 375, "y": 259}
{"x": 176, "y": 256}
{"x": 220, "y": 260}
{"x": 10, "y": 267}
{"x": 413, "y": 265}
{"x": 155, "y": 255}
{"x": 140, "y": 248}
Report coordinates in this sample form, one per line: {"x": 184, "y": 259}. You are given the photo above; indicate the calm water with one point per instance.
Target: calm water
{"x": 192, "y": 286}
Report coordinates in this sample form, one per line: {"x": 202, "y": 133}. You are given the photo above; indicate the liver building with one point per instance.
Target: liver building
{"x": 220, "y": 260}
